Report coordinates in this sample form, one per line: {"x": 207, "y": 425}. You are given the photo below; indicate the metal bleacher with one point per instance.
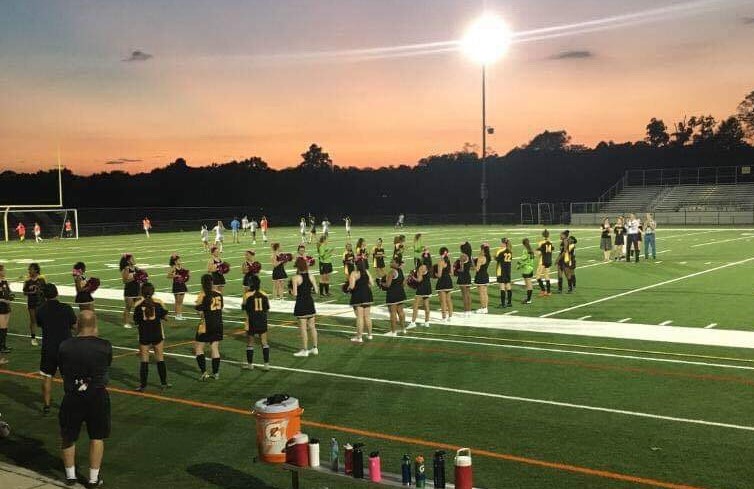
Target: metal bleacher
{"x": 715, "y": 195}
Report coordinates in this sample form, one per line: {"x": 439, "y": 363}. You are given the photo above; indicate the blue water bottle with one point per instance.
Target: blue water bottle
{"x": 334, "y": 454}
{"x": 406, "y": 470}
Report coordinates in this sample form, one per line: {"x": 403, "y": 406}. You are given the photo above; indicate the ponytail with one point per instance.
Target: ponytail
{"x": 207, "y": 289}
{"x": 147, "y": 291}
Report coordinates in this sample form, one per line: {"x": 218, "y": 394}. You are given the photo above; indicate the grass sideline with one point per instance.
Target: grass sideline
{"x": 208, "y": 435}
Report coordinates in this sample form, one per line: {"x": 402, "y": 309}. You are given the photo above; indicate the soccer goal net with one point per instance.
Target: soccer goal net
{"x": 50, "y": 224}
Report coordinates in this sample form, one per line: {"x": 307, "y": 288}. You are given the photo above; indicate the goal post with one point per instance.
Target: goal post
{"x": 53, "y": 223}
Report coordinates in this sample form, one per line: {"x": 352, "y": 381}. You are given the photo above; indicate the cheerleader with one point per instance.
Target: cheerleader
{"x": 302, "y": 288}
{"x": 312, "y": 229}
{"x": 395, "y": 296}
{"x": 131, "y": 292}
{"x": 348, "y": 260}
{"x": 216, "y": 267}
{"x": 302, "y": 229}
{"x": 84, "y": 297}
{"x": 418, "y": 250}
{"x": 218, "y": 229}
{"x": 324, "y": 255}
{"x": 399, "y": 243}
{"x": 347, "y": 221}
{"x": 256, "y": 304}
{"x": 482, "y": 277}
{"x": 178, "y": 275}
{"x": 250, "y": 268}
{"x": 33, "y": 291}
{"x": 205, "y": 238}
{"x": 464, "y": 277}
{"x": 301, "y": 251}
{"x": 526, "y": 265}
{"x": 378, "y": 257}
{"x": 210, "y": 305}
{"x": 504, "y": 259}
{"x": 423, "y": 290}
{"x": 360, "y": 288}
{"x": 6, "y": 297}
{"x": 278, "y": 272}
{"x": 149, "y": 314}
{"x": 444, "y": 285}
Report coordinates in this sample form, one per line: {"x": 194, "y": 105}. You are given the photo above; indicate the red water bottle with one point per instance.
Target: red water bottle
{"x": 464, "y": 478}
{"x": 348, "y": 458}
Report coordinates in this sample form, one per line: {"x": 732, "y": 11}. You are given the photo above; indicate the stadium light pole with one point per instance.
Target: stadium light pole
{"x": 486, "y": 41}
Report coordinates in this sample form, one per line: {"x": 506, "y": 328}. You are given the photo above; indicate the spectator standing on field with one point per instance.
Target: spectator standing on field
{"x": 234, "y": 227}
{"x": 632, "y": 236}
{"x": 606, "y": 244}
{"x": 147, "y": 225}
{"x": 84, "y": 364}
{"x": 649, "y": 236}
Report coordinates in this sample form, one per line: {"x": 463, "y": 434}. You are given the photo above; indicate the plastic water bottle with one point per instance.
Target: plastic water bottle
{"x": 334, "y": 454}
{"x": 406, "y": 470}
{"x": 358, "y": 461}
{"x": 375, "y": 469}
{"x": 438, "y": 466}
{"x": 420, "y": 475}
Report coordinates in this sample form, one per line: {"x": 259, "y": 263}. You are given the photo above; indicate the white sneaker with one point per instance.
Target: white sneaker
{"x": 403, "y": 331}
{"x": 127, "y": 326}
{"x": 449, "y": 319}
{"x": 266, "y": 367}
{"x": 301, "y": 353}
{"x": 357, "y": 339}
{"x": 370, "y": 337}
{"x": 179, "y": 317}
{"x": 391, "y": 334}
{"x": 34, "y": 342}
{"x": 482, "y": 310}
{"x": 411, "y": 325}
{"x": 314, "y": 351}
{"x": 426, "y": 324}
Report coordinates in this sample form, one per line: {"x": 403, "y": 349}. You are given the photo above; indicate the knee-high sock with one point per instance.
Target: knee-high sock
{"x": 201, "y": 360}
{"x": 215, "y": 365}
{"x": 541, "y": 284}
{"x": 3, "y": 338}
{"x": 266, "y": 353}
{"x": 162, "y": 370}
{"x": 509, "y": 294}
{"x": 249, "y": 354}
{"x": 502, "y": 297}
{"x": 547, "y": 284}
{"x": 528, "y": 294}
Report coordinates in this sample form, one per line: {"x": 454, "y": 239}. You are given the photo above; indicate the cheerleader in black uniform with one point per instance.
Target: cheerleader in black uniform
{"x": 464, "y": 277}
{"x": 399, "y": 243}
{"x": 348, "y": 260}
{"x": 423, "y": 290}
{"x": 131, "y": 288}
{"x": 444, "y": 285}
{"x": 302, "y": 288}
{"x": 214, "y": 267}
{"x": 361, "y": 251}
{"x": 378, "y": 255}
{"x": 360, "y": 288}
{"x": 178, "y": 275}
{"x": 149, "y": 314}
{"x": 482, "y": 277}
{"x": 83, "y": 298}
{"x": 32, "y": 289}
{"x": 210, "y": 305}
{"x": 6, "y": 297}
{"x": 395, "y": 296}
{"x": 278, "y": 272}
{"x": 250, "y": 269}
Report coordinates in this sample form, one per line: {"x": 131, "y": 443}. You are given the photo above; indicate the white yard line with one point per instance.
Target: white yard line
{"x": 624, "y": 320}
{"x": 583, "y": 318}
{"x": 647, "y": 287}
{"x": 665, "y": 323}
{"x": 510, "y": 313}
{"x": 710, "y": 326}
{"x": 721, "y": 241}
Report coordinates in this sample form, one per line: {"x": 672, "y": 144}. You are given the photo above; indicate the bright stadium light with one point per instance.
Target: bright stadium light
{"x": 487, "y": 39}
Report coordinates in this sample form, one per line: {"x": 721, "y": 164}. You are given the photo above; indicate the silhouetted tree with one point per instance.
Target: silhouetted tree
{"x": 729, "y": 135}
{"x": 657, "y": 133}
{"x": 683, "y": 131}
{"x": 745, "y": 114}
{"x": 704, "y": 128}
{"x": 549, "y": 141}
{"x": 315, "y": 159}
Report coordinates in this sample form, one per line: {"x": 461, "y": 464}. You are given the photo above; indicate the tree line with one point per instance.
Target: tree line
{"x": 547, "y": 169}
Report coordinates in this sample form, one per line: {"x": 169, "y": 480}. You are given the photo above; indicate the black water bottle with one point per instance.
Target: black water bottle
{"x": 406, "y": 470}
{"x": 358, "y": 461}
{"x": 438, "y": 466}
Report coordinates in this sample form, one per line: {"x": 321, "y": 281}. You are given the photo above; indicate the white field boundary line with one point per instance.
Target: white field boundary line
{"x": 647, "y": 287}
{"x": 558, "y": 351}
{"x": 491, "y": 395}
{"x": 721, "y": 241}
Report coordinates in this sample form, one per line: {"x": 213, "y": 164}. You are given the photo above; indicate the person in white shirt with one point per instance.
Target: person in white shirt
{"x": 399, "y": 224}
{"x": 347, "y": 220}
{"x": 244, "y": 225}
{"x": 302, "y": 229}
{"x": 219, "y": 235}
{"x": 205, "y": 237}
{"x": 632, "y": 234}
{"x": 253, "y": 225}
{"x": 325, "y": 227}
{"x": 649, "y": 236}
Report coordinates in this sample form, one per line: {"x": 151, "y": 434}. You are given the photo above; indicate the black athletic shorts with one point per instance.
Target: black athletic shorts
{"x": 48, "y": 363}
{"x": 505, "y": 277}
{"x": 527, "y": 275}
{"x": 92, "y": 408}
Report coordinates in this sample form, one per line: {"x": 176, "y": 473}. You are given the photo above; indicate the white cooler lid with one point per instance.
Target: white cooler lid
{"x": 290, "y": 404}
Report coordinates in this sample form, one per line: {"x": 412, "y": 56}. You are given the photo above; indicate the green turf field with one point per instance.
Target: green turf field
{"x": 539, "y": 410}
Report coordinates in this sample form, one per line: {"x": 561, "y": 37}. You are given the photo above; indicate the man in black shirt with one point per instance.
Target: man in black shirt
{"x": 84, "y": 364}
{"x": 57, "y": 320}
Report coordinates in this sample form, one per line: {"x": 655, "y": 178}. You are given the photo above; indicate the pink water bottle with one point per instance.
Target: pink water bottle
{"x": 375, "y": 470}
{"x": 464, "y": 479}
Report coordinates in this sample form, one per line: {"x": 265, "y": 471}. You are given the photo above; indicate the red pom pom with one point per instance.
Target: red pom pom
{"x": 412, "y": 280}
{"x": 181, "y": 276}
{"x": 223, "y": 268}
{"x": 141, "y": 276}
{"x": 92, "y": 284}
{"x": 309, "y": 260}
{"x": 255, "y": 267}
{"x": 457, "y": 267}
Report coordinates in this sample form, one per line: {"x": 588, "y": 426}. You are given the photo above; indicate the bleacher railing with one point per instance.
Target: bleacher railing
{"x": 706, "y": 175}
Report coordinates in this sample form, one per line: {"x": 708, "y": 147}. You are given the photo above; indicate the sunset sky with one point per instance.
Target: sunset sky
{"x": 134, "y": 84}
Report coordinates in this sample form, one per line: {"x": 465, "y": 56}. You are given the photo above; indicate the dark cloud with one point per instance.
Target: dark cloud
{"x": 122, "y": 161}
{"x": 138, "y": 56}
{"x": 575, "y": 54}
{"x": 748, "y": 20}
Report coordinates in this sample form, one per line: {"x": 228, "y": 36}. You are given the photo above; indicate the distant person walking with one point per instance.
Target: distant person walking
{"x": 244, "y": 225}
{"x": 650, "y": 226}
{"x": 218, "y": 229}
{"x": 37, "y": 232}
{"x": 253, "y": 227}
{"x": 147, "y": 225}
{"x": 401, "y": 219}
{"x": 235, "y": 225}
{"x": 84, "y": 364}
{"x": 347, "y": 221}
{"x": 21, "y": 231}
{"x": 57, "y": 321}
{"x": 264, "y": 225}
{"x": 68, "y": 228}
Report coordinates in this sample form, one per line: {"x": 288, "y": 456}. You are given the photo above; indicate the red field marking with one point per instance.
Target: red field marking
{"x": 576, "y": 469}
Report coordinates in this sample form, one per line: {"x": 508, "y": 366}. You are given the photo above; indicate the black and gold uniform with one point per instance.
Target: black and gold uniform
{"x": 33, "y": 291}
{"x": 6, "y": 296}
{"x": 464, "y": 275}
{"x": 211, "y": 324}
{"x": 256, "y": 304}
{"x": 378, "y": 257}
{"x": 248, "y": 274}
{"x": 545, "y": 253}
{"x": 362, "y": 251}
{"x": 150, "y": 327}
{"x": 179, "y": 285}
{"x": 396, "y": 293}
{"x": 620, "y": 234}
{"x": 349, "y": 264}
{"x": 504, "y": 259}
